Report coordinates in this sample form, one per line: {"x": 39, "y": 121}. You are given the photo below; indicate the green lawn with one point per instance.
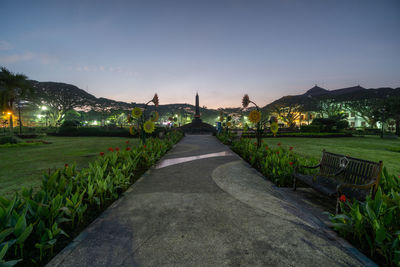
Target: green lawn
{"x": 369, "y": 147}
{"x": 24, "y": 166}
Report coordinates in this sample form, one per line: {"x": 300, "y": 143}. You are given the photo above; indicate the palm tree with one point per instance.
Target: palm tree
{"x": 12, "y": 86}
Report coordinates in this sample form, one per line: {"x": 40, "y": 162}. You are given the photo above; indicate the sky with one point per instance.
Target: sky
{"x": 222, "y": 49}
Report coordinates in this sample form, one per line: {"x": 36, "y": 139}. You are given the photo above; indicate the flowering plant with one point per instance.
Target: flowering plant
{"x": 143, "y": 123}
{"x": 255, "y": 116}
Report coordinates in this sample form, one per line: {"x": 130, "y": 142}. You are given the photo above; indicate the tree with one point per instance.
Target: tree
{"x": 394, "y": 111}
{"x": 288, "y": 113}
{"x": 60, "y": 98}
{"x": 365, "y": 109}
{"x": 330, "y": 108}
{"x": 12, "y": 87}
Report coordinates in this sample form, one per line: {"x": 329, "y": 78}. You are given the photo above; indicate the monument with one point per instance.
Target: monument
{"x": 197, "y": 126}
{"x": 197, "y": 113}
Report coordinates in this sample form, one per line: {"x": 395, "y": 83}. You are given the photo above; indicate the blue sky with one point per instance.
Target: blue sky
{"x": 127, "y": 50}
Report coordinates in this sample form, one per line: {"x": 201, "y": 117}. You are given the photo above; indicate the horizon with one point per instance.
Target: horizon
{"x": 127, "y": 51}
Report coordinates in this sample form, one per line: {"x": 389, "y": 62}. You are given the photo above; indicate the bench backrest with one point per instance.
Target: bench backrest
{"x": 356, "y": 171}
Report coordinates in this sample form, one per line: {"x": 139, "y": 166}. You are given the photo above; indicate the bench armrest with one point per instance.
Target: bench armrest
{"x": 309, "y": 167}
{"x": 359, "y": 186}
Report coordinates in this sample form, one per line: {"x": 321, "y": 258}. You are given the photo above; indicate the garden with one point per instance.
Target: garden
{"x": 372, "y": 225}
{"x": 61, "y": 184}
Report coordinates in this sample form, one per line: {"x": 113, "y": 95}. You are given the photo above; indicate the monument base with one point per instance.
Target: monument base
{"x": 198, "y": 127}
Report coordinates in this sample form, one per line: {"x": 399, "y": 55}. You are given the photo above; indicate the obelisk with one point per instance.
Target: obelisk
{"x": 197, "y": 114}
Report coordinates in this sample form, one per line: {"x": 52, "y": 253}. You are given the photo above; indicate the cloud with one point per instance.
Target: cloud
{"x": 28, "y": 56}
{"x": 5, "y": 45}
{"x": 101, "y": 68}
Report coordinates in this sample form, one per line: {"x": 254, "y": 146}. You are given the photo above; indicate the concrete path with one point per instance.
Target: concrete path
{"x": 212, "y": 210}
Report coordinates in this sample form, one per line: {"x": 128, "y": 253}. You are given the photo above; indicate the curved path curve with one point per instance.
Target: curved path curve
{"x": 207, "y": 211}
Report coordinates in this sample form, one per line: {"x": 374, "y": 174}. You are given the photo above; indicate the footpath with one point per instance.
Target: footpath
{"x": 202, "y": 205}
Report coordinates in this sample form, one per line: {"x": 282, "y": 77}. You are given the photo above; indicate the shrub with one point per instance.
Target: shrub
{"x": 330, "y": 124}
{"x": 9, "y": 140}
{"x": 275, "y": 163}
{"x": 310, "y": 128}
{"x": 374, "y": 225}
{"x": 31, "y": 224}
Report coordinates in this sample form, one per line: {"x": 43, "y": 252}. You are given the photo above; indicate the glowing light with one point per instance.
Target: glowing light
{"x": 9, "y": 113}
{"x": 44, "y": 108}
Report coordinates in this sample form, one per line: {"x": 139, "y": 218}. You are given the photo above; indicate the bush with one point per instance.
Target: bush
{"x": 9, "y": 140}
{"x": 32, "y": 224}
{"x": 310, "y": 128}
{"x": 275, "y": 163}
{"x": 374, "y": 225}
{"x": 330, "y": 124}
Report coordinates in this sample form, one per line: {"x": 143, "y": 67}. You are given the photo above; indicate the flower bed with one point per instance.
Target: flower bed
{"x": 35, "y": 225}
{"x": 274, "y": 162}
{"x": 374, "y": 225}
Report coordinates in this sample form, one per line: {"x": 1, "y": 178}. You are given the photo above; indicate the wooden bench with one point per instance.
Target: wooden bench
{"x": 339, "y": 174}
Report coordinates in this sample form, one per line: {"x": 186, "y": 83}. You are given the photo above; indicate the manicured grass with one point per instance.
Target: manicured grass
{"x": 369, "y": 147}
{"x": 24, "y": 165}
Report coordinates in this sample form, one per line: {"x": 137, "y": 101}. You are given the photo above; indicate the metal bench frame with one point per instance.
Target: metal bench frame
{"x": 344, "y": 172}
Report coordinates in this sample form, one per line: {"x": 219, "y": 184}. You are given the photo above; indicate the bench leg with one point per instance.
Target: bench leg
{"x": 294, "y": 183}
{"x": 338, "y": 210}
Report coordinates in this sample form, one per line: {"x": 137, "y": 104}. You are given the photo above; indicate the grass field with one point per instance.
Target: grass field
{"x": 369, "y": 147}
{"x": 24, "y": 166}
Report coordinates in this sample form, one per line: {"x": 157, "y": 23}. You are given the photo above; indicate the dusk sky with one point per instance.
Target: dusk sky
{"x": 128, "y": 50}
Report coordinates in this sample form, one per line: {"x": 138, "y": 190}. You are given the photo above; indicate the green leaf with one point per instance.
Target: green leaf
{"x": 3, "y": 252}
{"x": 21, "y": 239}
{"x": 5, "y": 233}
{"x": 9, "y": 263}
{"x": 20, "y": 225}
{"x": 380, "y": 235}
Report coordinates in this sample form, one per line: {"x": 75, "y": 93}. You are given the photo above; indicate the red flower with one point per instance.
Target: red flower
{"x": 342, "y": 198}
{"x": 291, "y": 163}
{"x": 117, "y": 149}
{"x": 279, "y": 144}
{"x": 255, "y": 143}
{"x": 127, "y": 141}
{"x": 291, "y": 148}
{"x": 144, "y": 146}
{"x": 110, "y": 149}
{"x": 65, "y": 165}
{"x": 128, "y": 148}
{"x": 277, "y": 152}
{"x": 101, "y": 153}
{"x": 266, "y": 148}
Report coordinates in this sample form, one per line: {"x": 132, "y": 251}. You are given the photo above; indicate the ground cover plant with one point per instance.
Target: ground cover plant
{"x": 33, "y": 223}
{"x": 274, "y": 161}
{"x": 374, "y": 225}
{"x": 24, "y": 166}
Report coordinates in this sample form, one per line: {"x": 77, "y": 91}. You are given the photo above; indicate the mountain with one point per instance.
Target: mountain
{"x": 310, "y": 99}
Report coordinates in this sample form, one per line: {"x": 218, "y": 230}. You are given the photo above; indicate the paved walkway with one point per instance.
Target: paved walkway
{"x": 208, "y": 210}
